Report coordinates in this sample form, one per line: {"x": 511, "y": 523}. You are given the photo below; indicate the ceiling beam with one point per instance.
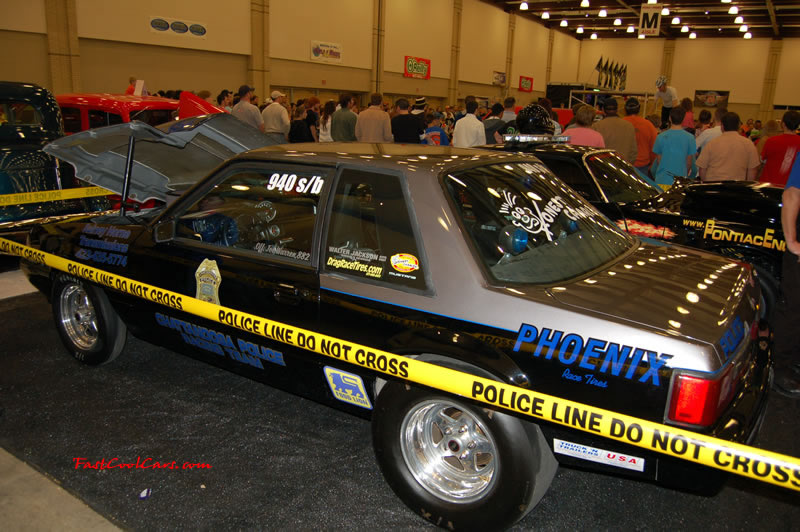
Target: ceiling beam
{"x": 773, "y": 18}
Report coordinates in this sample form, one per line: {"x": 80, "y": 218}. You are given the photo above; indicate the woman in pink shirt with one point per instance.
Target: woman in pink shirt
{"x": 688, "y": 120}
{"x": 583, "y": 134}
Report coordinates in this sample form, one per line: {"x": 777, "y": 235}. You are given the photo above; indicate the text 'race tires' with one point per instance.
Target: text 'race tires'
{"x": 458, "y": 465}
{"x": 89, "y": 327}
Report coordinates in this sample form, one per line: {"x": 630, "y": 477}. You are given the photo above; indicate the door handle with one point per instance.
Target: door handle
{"x": 287, "y": 294}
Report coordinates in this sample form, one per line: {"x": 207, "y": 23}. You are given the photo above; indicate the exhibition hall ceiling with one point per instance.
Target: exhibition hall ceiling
{"x": 703, "y": 18}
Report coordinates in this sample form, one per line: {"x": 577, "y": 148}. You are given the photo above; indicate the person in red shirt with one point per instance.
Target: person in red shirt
{"x": 779, "y": 152}
{"x": 646, "y": 134}
{"x": 131, "y": 85}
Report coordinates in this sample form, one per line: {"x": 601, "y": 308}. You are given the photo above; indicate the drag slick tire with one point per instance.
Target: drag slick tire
{"x": 458, "y": 465}
{"x": 89, "y": 327}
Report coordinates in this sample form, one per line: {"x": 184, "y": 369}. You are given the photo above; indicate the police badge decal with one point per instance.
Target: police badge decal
{"x": 208, "y": 281}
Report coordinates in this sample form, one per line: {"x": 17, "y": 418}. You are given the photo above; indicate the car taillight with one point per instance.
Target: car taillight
{"x": 699, "y": 401}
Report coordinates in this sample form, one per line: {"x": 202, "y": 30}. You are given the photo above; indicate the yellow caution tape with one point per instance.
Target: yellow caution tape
{"x": 739, "y": 459}
{"x": 42, "y": 196}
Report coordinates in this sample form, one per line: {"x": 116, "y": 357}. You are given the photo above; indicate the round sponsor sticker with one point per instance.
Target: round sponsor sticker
{"x": 404, "y": 262}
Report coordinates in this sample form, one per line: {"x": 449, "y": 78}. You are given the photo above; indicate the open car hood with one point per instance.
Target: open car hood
{"x": 168, "y": 157}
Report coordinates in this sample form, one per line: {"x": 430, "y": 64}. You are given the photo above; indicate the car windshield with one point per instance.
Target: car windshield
{"x": 16, "y": 114}
{"x": 529, "y": 227}
{"x": 618, "y": 179}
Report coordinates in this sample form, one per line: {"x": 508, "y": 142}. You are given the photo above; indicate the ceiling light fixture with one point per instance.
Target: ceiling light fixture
{"x": 563, "y": 23}
{"x": 579, "y": 30}
{"x": 743, "y": 28}
{"x": 524, "y": 6}
{"x": 641, "y": 36}
{"x": 665, "y": 12}
{"x": 617, "y": 22}
{"x": 685, "y": 29}
{"x": 603, "y": 13}
{"x": 693, "y": 35}
{"x": 593, "y": 36}
{"x": 738, "y": 20}
{"x": 545, "y": 15}
{"x": 748, "y": 35}
{"x": 676, "y": 21}
{"x": 652, "y": 1}
{"x": 584, "y": 3}
{"x": 733, "y": 10}
{"x": 630, "y": 29}
{"x": 726, "y": 1}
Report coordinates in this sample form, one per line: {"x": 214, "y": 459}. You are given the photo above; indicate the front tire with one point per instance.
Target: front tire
{"x": 458, "y": 465}
{"x": 88, "y": 325}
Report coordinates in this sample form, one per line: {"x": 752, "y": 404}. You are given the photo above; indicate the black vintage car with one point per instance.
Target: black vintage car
{"x": 741, "y": 220}
{"x": 478, "y": 261}
{"x": 29, "y": 119}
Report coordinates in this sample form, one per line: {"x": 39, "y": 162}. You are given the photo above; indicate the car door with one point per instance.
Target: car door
{"x": 246, "y": 240}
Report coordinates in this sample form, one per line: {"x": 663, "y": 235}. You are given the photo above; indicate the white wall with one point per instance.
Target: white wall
{"x": 484, "y": 40}
{"x": 293, "y": 25}
{"x": 228, "y": 23}
{"x": 566, "y": 51}
{"x": 25, "y": 15}
{"x": 408, "y": 32}
{"x": 530, "y": 53}
{"x": 787, "y": 91}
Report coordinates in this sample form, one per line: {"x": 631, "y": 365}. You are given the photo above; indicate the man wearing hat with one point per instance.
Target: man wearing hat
{"x": 646, "y": 134}
{"x": 276, "y": 119}
{"x": 246, "y": 111}
{"x": 617, "y": 134}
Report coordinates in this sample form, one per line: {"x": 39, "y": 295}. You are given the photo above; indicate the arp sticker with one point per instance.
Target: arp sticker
{"x": 601, "y": 456}
{"x": 347, "y": 387}
{"x": 404, "y": 262}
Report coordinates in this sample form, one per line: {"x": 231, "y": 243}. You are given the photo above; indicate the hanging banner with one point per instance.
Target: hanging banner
{"x": 525, "y": 84}
{"x": 326, "y": 52}
{"x": 650, "y": 20}
{"x": 417, "y": 67}
{"x": 711, "y": 98}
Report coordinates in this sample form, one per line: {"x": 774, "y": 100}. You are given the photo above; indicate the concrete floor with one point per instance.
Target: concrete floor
{"x": 29, "y": 500}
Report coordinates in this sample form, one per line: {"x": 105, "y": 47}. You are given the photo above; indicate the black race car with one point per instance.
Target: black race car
{"x": 741, "y": 220}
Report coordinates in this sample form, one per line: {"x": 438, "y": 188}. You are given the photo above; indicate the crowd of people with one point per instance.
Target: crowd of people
{"x": 677, "y": 144}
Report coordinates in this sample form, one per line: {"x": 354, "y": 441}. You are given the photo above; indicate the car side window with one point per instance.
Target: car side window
{"x": 72, "y": 119}
{"x": 19, "y": 114}
{"x": 98, "y": 118}
{"x": 267, "y": 211}
{"x": 574, "y": 176}
{"x": 370, "y": 234}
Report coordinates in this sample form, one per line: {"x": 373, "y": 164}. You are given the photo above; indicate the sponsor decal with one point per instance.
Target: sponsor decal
{"x": 525, "y": 84}
{"x": 347, "y": 387}
{"x": 280, "y": 251}
{"x": 355, "y": 266}
{"x": 733, "y": 337}
{"x": 601, "y": 456}
{"x": 103, "y": 250}
{"x": 208, "y": 280}
{"x": 594, "y": 356}
{"x": 291, "y": 183}
{"x": 326, "y": 52}
{"x": 757, "y": 464}
{"x": 417, "y": 67}
{"x": 637, "y": 228}
{"x": 221, "y": 344}
{"x": 766, "y": 240}
{"x": 538, "y": 220}
{"x": 404, "y": 262}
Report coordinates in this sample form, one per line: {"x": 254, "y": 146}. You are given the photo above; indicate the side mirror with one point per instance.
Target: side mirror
{"x": 164, "y": 231}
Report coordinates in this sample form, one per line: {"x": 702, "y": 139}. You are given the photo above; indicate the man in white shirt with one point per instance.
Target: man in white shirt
{"x": 469, "y": 131}
{"x": 276, "y": 119}
{"x": 668, "y": 97}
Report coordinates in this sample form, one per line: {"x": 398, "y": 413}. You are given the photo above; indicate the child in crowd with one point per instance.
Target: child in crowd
{"x": 298, "y": 130}
{"x": 434, "y": 134}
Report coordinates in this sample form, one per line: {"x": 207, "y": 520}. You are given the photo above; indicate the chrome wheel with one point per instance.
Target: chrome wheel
{"x": 78, "y": 317}
{"x": 449, "y": 451}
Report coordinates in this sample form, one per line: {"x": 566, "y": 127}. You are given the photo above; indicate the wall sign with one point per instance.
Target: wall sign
{"x": 525, "y": 84}
{"x": 417, "y": 67}
{"x": 326, "y": 52}
{"x": 178, "y": 27}
{"x": 711, "y": 98}
{"x": 650, "y": 20}
{"x": 498, "y": 78}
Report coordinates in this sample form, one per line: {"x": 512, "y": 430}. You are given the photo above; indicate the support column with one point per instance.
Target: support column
{"x": 258, "y": 64}
{"x": 551, "y": 37}
{"x": 63, "y": 52}
{"x": 765, "y": 109}
{"x": 512, "y": 24}
{"x": 455, "y": 52}
{"x": 378, "y": 37}
{"x": 667, "y": 58}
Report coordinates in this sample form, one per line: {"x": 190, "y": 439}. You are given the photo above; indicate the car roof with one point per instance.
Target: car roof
{"x": 412, "y": 157}
{"x": 116, "y": 103}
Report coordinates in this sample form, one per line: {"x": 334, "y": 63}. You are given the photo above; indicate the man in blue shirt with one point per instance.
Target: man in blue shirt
{"x": 787, "y": 333}
{"x": 675, "y": 150}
